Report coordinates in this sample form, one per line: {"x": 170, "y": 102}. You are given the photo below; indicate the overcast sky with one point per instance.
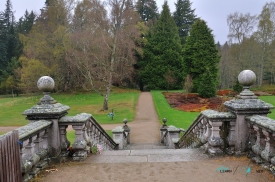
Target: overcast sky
{"x": 214, "y": 12}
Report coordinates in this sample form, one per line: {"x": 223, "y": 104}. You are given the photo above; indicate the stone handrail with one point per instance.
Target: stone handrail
{"x": 261, "y": 138}
{"x": 34, "y": 150}
{"x": 88, "y": 134}
{"x": 206, "y": 131}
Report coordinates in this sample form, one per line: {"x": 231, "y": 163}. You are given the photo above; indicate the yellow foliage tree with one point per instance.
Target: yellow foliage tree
{"x": 31, "y": 71}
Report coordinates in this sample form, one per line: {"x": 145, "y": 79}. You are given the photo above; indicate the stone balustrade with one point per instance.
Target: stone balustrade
{"x": 88, "y": 133}
{"x": 34, "y": 147}
{"x": 261, "y": 138}
{"x": 207, "y": 131}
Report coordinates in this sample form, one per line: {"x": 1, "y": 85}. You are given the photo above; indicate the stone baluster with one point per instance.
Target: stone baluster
{"x": 215, "y": 141}
{"x": 29, "y": 149}
{"x": 231, "y": 137}
{"x": 206, "y": 132}
{"x": 268, "y": 152}
{"x": 200, "y": 129}
{"x": 252, "y": 135}
{"x": 37, "y": 143}
{"x": 64, "y": 141}
{"x": 260, "y": 143}
{"x": 92, "y": 134}
{"x": 86, "y": 134}
{"x": 80, "y": 144}
{"x": 45, "y": 142}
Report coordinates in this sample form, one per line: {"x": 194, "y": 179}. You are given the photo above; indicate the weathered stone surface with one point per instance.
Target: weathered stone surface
{"x": 211, "y": 114}
{"x": 247, "y": 78}
{"x": 32, "y": 128}
{"x": 118, "y": 129}
{"x": 79, "y": 118}
{"x": 262, "y": 121}
{"x": 45, "y": 83}
{"x": 47, "y": 111}
{"x": 172, "y": 128}
{"x": 248, "y": 105}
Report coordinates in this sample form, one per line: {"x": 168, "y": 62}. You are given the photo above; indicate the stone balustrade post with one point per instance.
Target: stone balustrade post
{"x": 246, "y": 104}
{"x": 48, "y": 109}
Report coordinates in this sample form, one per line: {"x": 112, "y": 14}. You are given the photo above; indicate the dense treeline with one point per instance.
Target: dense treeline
{"x": 93, "y": 44}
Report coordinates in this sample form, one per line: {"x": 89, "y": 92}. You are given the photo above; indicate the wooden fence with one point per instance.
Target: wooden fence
{"x": 10, "y": 169}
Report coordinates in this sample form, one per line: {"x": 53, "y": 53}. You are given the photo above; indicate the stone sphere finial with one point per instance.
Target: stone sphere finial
{"x": 45, "y": 83}
{"x": 247, "y": 78}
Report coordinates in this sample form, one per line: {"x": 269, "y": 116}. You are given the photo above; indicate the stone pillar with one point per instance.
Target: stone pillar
{"x": 163, "y": 130}
{"x": 118, "y": 136}
{"x": 246, "y": 104}
{"x": 48, "y": 109}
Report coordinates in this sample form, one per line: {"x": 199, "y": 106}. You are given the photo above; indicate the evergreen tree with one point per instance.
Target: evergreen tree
{"x": 200, "y": 54}
{"x": 6, "y": 37}
{"x": 207, "y": 87}
{"x": 163, "y": 54}
{"x": 184, "y": 17}
{"x": 148, "y": 10}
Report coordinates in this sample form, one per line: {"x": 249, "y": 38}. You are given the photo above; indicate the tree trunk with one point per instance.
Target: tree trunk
{"x": 109, "y": 84}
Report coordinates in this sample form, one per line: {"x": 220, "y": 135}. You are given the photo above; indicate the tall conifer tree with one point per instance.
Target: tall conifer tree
{"x": 201, "y": 54}
{"x": 147, "y": 9}
{"x": 163, "y": 54}
{"x": 184, "y": 17}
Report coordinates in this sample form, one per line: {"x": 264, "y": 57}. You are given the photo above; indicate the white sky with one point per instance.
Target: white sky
{"x": 214, "y": 12}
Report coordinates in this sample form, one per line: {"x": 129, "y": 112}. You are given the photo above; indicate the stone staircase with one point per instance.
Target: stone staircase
{"x": 148, "y": 152}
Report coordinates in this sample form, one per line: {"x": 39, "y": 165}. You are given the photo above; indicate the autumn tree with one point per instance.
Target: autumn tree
{"x": 47, "y": 40}
{"x": 102, "y": 46}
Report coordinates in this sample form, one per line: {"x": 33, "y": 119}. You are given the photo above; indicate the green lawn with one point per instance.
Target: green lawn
{"x": 122, "y": 102}
{"x": 270, "y": 100}
{"x": 174, "y": 117}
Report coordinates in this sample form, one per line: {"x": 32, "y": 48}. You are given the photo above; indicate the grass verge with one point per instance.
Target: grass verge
{"x": 174, "y": 117}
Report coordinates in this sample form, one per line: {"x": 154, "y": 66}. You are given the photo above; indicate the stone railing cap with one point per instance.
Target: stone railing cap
{"x": 262, "y": 121}
{"x": 47, "y": 109}
{"x": 211, "y": 114}
{"x": 172, "y": 128}
{"x": 32, "y": 128}
{"x": 244, "y": 104}
{"x": 118, "y": 129}
{"x": 82, "y": 117}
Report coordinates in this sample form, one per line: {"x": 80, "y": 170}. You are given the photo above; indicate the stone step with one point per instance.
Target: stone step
{"x": 145, "y": 146}
{"x": 148, "y": 155}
